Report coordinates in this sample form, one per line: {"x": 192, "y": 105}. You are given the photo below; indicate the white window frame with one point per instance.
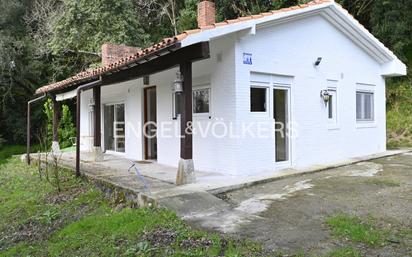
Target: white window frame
{"x": 202, "y": 87}
{"x": 364, "y": 120}
{"x": 267, "y": 104}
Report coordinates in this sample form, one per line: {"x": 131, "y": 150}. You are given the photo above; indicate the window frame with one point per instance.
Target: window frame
{"x": 202, "y": 87}
{"x": 334, "y": 104}
{"x": 363, "y": 92}
{"x": 267, "y": 99}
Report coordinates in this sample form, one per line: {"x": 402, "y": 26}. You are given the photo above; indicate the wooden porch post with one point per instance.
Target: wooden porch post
{"x": 98, "y": 155}
{"x": 56, "y": 118}
{"x": 185, "y": 174}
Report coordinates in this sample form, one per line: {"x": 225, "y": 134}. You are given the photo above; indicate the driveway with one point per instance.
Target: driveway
{"x": 290, "y": 214}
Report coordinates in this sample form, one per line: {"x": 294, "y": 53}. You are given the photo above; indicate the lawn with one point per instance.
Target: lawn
{"x": 36, "y": 220}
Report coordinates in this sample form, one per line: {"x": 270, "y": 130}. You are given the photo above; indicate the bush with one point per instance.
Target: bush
{"x": 7, "y": 151}
{"x": 399, "y": 113}
{"x": 66, "y": 128}
{"x": 2, "y": 141}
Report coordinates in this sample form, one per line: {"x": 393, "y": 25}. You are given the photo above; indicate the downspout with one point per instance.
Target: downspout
{"x": 28, "y": 126}
{"x": 78, "y": 92}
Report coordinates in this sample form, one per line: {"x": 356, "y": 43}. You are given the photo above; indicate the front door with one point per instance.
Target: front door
{"x": 149, "y": 126}
{"x": 281, "y": 116}
{"x": 114, "y": 127}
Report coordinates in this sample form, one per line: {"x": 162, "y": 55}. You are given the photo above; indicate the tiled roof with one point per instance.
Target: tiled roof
{"x": 124, "y": 62}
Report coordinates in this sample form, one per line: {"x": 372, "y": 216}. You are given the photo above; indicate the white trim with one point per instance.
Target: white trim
{"x": 288, "y": 88}
{"x": 265, "y": 86}
{"x": 66, "y": 95}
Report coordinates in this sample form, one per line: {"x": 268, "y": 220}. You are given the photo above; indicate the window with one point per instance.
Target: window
{"x": 201, "y": 100}
{"x": 332, "y": 105}
{"x": 176, "y": 105}
{"x": 364, "y": 106}
{"x": 258, "y": 99}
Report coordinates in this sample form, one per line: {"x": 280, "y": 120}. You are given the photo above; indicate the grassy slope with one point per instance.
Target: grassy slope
{"x": 38, "y": 221}
{"x": 399, "y": 114}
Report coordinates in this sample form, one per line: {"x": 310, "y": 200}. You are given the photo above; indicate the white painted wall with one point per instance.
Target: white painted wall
{"x": 291, "y": 49}
{"x": 284, "y": 53}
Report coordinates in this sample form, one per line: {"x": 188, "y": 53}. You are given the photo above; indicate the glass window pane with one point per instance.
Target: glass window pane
{"x": 368, "y": 106}
{"x": 258, "y": 99}
{"x": 177, "y": 105}
{"x": 201, "y": 99}
{"x": 359, "y": 106}
{"x": 330, "y": 106}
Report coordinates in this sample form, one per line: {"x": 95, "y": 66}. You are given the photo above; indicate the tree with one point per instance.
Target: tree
{"x": 86, "y": 24}
{"x": 392, "y": 24}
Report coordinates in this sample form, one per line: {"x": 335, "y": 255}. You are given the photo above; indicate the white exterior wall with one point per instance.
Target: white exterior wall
{"x": 291, "y": 49}
{"x": 283, "y": 53}
{"x": 209, "y": 153}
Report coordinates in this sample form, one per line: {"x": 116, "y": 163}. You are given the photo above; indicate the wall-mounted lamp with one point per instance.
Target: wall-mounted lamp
{"x": 91, "y": 104}
{"x": 318, "y": 61}
{"x": 325, "y": 95}
{"x": 178, "y": 84}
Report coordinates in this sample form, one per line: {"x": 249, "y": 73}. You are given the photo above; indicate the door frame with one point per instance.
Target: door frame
{"x": 288, "y": 89}
{"x": 104, "y": 132}
{"x": 145, "y": 114}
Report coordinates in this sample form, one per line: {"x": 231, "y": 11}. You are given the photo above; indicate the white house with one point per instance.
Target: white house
{"x": 312, "y": 68}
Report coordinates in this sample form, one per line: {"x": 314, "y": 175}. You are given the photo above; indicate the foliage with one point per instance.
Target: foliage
{"x": 9, "y": 150}
{"x": 188, "y": 16}
{"x": 392, "y": 24}
{"x": 399, "y": 113}
{"x": 39, "y": 221}
{"x": 2, "y": 141}
{"x": 343, "y": 225}
{"x": 66, "y": 129}
{"x": 87, "y": 24}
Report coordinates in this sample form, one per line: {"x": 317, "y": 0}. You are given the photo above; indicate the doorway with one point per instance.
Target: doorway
{"x": 114, "y": 127}
{"x": 281, "y": 117}
{"x": 149, "y": 126}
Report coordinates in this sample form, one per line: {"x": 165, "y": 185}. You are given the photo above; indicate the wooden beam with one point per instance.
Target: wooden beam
{"x": 97, "y": 116}
{"x": 190, "y": 53}
{"x": 186, "y": 117}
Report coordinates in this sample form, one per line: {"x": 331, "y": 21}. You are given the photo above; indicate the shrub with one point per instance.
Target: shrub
{"x": 66, "y": 129}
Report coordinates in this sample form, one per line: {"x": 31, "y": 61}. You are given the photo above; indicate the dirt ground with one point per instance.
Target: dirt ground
{"x": 289, "y": 215}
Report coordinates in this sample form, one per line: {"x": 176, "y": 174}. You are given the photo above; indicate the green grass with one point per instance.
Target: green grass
{"x": 355, "y": 229}
{"x": 36, "y": 220}
{"x": 383, "y": 182}
{"x": 69, "y": 149}
{"x": 344, "y": 252}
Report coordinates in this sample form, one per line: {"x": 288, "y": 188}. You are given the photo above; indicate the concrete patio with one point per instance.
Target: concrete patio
{"x": 160, "y": 179}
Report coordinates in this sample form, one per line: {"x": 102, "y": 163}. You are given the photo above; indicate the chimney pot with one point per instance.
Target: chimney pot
{"x": 206, "y": 13}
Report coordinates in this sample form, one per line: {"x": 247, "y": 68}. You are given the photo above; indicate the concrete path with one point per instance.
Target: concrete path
{"x": 289, "y": 214}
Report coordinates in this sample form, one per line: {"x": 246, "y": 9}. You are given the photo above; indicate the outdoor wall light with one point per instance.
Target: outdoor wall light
{"x": 318, "y": 61}
{"x": 325, "y": 95}
{"x": 178, "y": 84}
{"x": 91, "y": 104}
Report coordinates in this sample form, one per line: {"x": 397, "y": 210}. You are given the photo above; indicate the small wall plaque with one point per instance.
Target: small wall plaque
{"x": 247, "y": 58}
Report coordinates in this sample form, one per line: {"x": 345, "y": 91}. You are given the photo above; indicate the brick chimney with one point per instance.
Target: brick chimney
{"x": 206, "y": 13}
{"x": 112, "y": 52}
